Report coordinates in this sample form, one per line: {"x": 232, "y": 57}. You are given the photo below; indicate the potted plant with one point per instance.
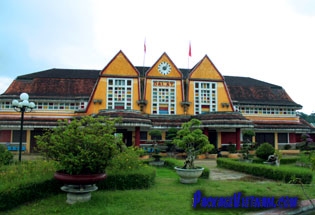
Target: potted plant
{"x": 83, "y": 148}
{"x": 191, "y": 139}
{"x": 232, "y": 151}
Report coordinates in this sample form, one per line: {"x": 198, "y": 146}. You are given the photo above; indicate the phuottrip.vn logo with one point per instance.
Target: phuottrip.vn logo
{"x": 237, "y": 200}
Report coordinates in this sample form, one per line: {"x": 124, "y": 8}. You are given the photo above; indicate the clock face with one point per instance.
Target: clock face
{"x": 164, "y": 68}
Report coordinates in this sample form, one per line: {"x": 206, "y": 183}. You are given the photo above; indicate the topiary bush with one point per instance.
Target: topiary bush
{"x": 6, "y": 157}
{"x": 264, "y": 150}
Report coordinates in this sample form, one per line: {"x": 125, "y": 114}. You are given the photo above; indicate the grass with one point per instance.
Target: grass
{"x": 167, "y": 196}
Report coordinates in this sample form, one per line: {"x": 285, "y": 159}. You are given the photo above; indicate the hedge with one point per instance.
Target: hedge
{"x": 284, "y": 160}
{"x": 281, "y": 173}
{"x": 137, "y": 179}
{"x": 17, "y": 193}
{"x": 11, "y": 198}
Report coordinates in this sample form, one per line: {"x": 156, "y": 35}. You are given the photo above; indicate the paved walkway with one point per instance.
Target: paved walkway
{"x": 224, "y": 174}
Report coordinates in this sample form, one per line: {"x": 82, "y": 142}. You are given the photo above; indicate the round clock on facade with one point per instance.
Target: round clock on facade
{"x": 164, "y": 68}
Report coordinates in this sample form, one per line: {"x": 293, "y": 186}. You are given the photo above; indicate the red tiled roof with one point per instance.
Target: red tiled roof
{"x": 246, "y": 90}
{"x": 52, "y": 87}
{"x": 80, "y": 83}
{"x": 223, "y": 119}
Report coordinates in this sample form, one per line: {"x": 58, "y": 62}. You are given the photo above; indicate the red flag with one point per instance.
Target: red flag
{"x": 145, "y": 46}
{"x": 189, "y": 52}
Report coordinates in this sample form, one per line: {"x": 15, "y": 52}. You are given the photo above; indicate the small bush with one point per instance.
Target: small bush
{"x": 287, "y": 146}
{"x": 6, "y": 157}
{"x": 128, "y": 160}
{"x": 264, "y": 150}
{"x": 231, "y": 148}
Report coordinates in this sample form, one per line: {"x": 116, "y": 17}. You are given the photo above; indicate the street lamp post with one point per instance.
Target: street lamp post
{"x": 22, "y": 106}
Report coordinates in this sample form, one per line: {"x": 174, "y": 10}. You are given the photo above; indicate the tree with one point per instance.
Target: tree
{"x": 191, "y": 139}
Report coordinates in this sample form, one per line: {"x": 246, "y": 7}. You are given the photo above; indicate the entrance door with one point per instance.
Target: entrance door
{"x": 33, "y": 140}
{"x": 213, "y": 138}
{"x": 127, "y": 136}
{"x": 265, "y": 138}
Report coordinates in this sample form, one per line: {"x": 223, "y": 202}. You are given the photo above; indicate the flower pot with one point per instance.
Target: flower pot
{"x": 212, "y": 156}
{"x": 78, "y": 187}
{"x": 234, "y": 155}
{"x": 145, "y": 157}
{"x": 79, "y": 179}
{"x": 189, "y": 176}
{"x": 252, "y": 152}
{"x": 201, "y": 157}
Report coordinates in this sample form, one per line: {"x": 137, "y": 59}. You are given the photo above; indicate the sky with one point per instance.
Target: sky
{"x": 268, "y": 40}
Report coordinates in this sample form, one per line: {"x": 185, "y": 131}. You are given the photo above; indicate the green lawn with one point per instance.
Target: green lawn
{"x": 167, "y": 196}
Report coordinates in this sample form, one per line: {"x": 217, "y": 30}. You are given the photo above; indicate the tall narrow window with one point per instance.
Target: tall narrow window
{"x": 205, "y": 97}
{"x": 163, "y": 97}
{"x": 119, "y": 93}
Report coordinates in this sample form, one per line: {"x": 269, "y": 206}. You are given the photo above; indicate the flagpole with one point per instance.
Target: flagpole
{"x": 189, "y": 52}
{"x": 144, "y": 51}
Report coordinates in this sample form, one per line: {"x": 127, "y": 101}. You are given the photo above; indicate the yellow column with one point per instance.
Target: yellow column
{"x": 164, "y": 135}
{"x": 219, "y": 139}
{"x": 28, "y": 141}
{"x": 276, "y": 140}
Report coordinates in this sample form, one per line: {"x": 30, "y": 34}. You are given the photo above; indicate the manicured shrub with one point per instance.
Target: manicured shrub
{"x": 126, "y": 180}
{"x": 282, "y": 173}
{"x": 6, "y": 157}
{"x": 289, "y": 160}
{"x": 264, "y": 150}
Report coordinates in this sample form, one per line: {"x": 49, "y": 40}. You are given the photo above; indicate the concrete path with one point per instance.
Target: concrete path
{"x": 225, "y": 174}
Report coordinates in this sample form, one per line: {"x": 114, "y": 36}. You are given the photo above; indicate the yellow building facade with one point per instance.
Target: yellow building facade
{"x": 162, "y": 96}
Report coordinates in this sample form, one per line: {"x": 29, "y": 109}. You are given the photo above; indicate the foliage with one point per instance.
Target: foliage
{"x": 309, "y": 118}
{"x": 282, "y": 173}
{"x": 307, "y": 140}
{"x": 170, "y": 136}
{"x": 171, "y": 133}
{"x": 193, "y": 141}
{"x": 247, "y": 135}
{"x": 287, "y": 146}
{"x": 307, "y": 159}
{"x": 165, "y": 197}
{"x": 25, "y": 181}
{"x": 231, "y": 148}
{"x": 125, "y": 180}
{"x": 278, "y": 154}
{"x": 30, "y": 180}
{"x": 82, "y": 146}
{"x": 170, "y": 163}
{"x": 155, "y": 134}
{"x": 128, "y": 160}
{"x": 6, "y": 157}
{"x": 264, "y": 150}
